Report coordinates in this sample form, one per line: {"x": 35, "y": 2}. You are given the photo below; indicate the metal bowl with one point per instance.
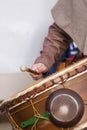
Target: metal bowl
{"x": 66, "y": 107}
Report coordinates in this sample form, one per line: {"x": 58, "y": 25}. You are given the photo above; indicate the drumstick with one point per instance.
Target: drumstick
{"x": 24, "y": 68}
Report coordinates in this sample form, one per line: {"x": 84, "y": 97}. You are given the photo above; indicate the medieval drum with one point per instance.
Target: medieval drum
{"x": 57, "y": 102}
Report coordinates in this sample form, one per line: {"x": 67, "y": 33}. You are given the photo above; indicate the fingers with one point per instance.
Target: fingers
{"x": 36, "y": 77}
{"x": 40, "y": 68}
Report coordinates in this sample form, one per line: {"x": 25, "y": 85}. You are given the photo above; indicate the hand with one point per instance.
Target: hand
{"x": 40, "y": 68}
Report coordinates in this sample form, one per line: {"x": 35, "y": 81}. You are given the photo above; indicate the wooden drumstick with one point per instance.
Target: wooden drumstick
{"x": 24, "y": 68}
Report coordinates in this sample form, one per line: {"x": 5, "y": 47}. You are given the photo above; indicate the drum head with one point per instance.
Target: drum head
{"x": 66, "y": 107}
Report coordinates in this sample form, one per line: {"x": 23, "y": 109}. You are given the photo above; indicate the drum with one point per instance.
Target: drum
{"x": 57, "y": 102}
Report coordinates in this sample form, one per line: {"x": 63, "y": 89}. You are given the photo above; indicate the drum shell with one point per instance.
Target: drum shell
{"x": 24, "y": 111}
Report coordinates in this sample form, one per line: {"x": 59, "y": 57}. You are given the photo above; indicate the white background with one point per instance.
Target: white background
{"x": 23, "y": 26}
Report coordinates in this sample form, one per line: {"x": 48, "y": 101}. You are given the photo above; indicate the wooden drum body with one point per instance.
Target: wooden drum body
{"x": 27, "y": 110}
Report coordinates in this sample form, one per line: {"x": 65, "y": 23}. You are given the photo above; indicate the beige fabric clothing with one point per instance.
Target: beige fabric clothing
{"x": 71, "y": 16}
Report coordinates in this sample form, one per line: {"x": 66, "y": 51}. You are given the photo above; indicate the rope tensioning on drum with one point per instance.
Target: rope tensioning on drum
{"x": 36, "y": 118}
{"x": 15, "y": 126}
